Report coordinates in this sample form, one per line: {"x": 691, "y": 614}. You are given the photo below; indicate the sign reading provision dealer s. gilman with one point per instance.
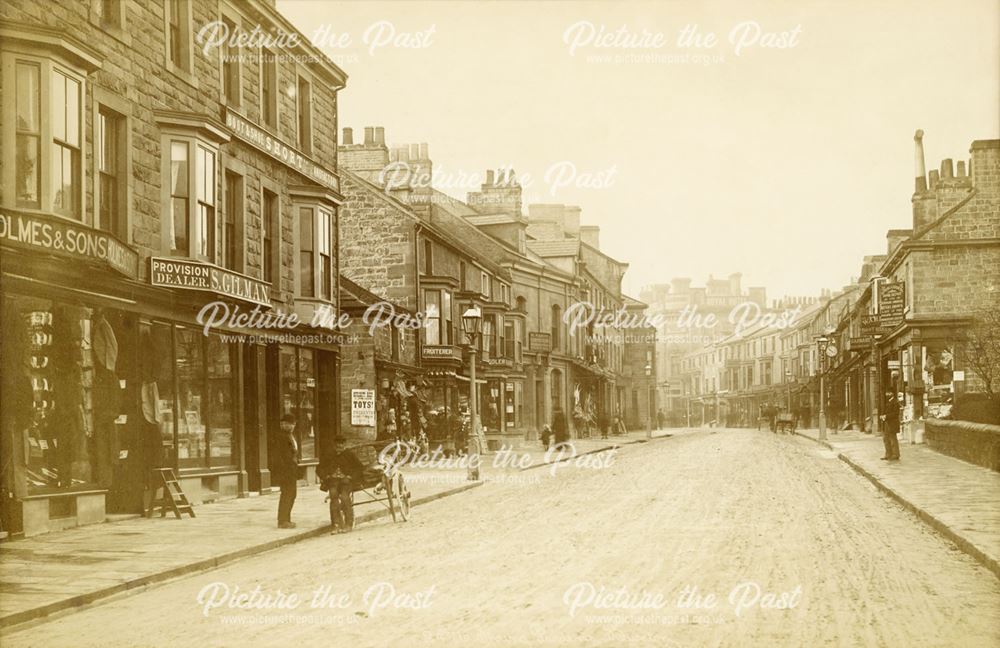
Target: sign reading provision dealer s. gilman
{"x": 57, "y": 236}
{"x": 279, "y": 150}
{"x": 198, "y": 275}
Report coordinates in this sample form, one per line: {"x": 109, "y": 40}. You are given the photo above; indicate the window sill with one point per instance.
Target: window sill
{"x": 183, "y": 74}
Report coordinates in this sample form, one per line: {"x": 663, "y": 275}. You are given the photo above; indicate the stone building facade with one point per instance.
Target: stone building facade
{"x": 151, "y": 174}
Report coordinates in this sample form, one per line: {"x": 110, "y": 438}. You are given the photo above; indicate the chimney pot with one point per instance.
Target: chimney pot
{"x": 379, "y": 136}
{"x": 920, "y": 171}
{"x": 489, "y": 177}
{"x": 934, "y": 177}
{"x": 423, "y": 152}
{"x": 403, "y": 153}
{"x": 369, "y": 135}
{"x": 960, "y": 172}
{"x": 348, "y": 136}
{"x": 946, "y": 169}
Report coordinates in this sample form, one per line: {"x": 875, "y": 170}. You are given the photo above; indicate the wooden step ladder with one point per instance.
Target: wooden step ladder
{"x": 173, "y": 497}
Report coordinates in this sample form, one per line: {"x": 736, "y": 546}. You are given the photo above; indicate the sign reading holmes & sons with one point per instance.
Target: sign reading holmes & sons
{"x": 198, "y": 275}
{"x": 58, "y": 236}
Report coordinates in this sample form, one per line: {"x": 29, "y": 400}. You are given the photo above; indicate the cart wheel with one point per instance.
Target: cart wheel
{"x": 390, "y": 496}
{"x": 402, "y": 495}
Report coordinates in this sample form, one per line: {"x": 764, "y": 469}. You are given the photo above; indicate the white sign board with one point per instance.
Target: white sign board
{"x": 363, "y": 407}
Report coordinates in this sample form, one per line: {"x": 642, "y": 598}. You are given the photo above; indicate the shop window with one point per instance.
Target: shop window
{"x": 269, "y": 226}
{"x": 232, "y": 223}
{"x": 191, "y": 413}
{"x": 221, "y": 428}
{"x": 58, "y": 377}
{"x": 231, "y": 73}
{"x": 269, "y": 88}
{"x": 432, "y": 317}
{"x": 303, "y": 104}
{"x": 298, "y": 396}
{"x": 111, "y": 198}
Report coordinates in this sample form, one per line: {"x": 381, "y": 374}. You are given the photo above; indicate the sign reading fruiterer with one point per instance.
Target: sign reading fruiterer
{"x": 540, "y": 342}
{"x": 891, "y": 302}
{"x": 363, "y": 407}
{"x": 198, "y": 275}
{"x": 58, "y": 236}
{"x": 251, "y": 133}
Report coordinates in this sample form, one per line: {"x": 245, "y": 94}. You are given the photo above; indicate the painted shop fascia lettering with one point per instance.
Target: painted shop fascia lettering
{"x": 280, "y": 151}
{"x": 200, "y": 275}
{"x": 53, "y": 235}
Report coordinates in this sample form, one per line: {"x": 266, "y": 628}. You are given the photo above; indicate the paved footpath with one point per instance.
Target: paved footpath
{"x": 56, "y": 571}
{"x": 957, "y": 498}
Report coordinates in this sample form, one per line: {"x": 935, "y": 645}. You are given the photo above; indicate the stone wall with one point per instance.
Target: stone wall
{"x": 976, "y": 443}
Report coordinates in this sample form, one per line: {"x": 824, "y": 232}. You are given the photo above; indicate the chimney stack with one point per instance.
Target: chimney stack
{"x": 348, "y": 136}
{"x": 379, "y": 136}
{"x": 489, "y": 178}
{"x": 918, "y": 161}
{"x": 423, "y": 152}
{"x": 369, "y": 136}
{"x": 934, "y": 177}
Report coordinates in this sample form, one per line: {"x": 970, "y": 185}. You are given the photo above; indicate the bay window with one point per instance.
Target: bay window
{"x": 508, "y": 337}
{"x": 447, "y": 329}
{"x": 28, "y": 97}
{"x": 432, "y": 317}
{"x": 190, "y": 190}
{"x": 307, "y": 246}
{"x": 316, "y": 246}
{"x": 44, "y": 135}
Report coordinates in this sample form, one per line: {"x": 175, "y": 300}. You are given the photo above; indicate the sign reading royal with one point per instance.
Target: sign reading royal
{"x": 891, "y": 303}
{"x": 57, "y": 236}
{"x": 198, "y": 275}
{"x": 280, "y": 151}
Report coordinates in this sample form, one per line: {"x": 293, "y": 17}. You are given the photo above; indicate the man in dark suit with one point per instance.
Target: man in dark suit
{"x": 339, "y": 471}
{"x": 559, "y": 427}
{"x": 286, "y": 464}
{"x": 890, "y": 428}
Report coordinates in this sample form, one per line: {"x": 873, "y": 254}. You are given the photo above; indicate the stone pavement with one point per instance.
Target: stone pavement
{"x": 49, "y": 573}
{"x": 56, "y": 571}
{"x": 958, "y": 499}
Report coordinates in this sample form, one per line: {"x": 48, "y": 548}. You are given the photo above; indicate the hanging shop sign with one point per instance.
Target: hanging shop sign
{"x": 58, "y": 236}
{"x": 199, "y": 275}
{"x": 891, "y": 302}
{"x": 261, "y": 139}
{"x": 363, "y": 407}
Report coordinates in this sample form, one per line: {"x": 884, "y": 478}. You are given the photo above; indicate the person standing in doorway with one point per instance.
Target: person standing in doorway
{"x": 287, "y": 466}
{"x": 890, "y": 428}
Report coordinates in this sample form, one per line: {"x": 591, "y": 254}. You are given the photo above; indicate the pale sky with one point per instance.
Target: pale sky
{"x": 787, "y": 165}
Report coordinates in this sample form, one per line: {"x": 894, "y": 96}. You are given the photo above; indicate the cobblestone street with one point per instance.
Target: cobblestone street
{"x": 671, "y": 521}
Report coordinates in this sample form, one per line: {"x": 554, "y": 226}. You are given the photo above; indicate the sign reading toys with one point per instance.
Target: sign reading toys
{"x": 198, "y": 275}
{"x": 363, "y": 407}
{"x": 280, "y": 151}
{"x": 57, "y": 236}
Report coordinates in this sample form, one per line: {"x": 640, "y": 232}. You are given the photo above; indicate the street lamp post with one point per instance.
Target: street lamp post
{"x": 472, "y": 322}
{"x": 649, "y": 404}
{"x": 822, "y": 343}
